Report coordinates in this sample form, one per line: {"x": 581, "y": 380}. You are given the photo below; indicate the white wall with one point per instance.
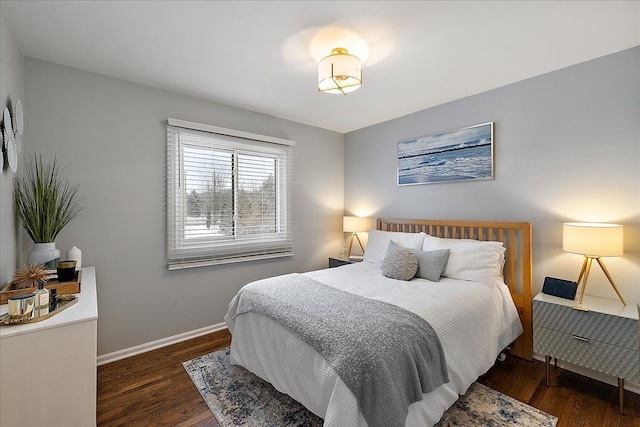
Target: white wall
{"x": 11, "y": 89}
{"x": 110, "y": 135}
{"x": 567, "y": 148}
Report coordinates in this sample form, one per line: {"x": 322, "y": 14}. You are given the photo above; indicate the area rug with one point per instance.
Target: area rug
{"x": 239, "y": 398}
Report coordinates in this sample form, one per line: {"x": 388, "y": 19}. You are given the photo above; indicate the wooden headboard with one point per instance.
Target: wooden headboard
{"x": 516, "y": 237}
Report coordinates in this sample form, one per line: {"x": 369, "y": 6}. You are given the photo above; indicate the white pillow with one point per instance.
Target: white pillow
{"x": 379, "y": 242}
{"x": 473, "y": 260}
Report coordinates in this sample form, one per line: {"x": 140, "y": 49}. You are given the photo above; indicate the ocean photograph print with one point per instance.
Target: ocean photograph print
{"x": 461, "y": 154}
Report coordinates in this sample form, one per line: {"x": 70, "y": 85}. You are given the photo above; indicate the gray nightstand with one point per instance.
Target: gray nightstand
{"x": 605, "y": 338}
{"x": 337, "y": 262}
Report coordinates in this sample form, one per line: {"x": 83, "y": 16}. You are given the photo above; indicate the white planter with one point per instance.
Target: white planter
{"x": 44, "y": 253}
{"x": 75, "y": 254}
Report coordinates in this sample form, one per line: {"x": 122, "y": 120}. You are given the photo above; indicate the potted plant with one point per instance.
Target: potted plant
{"x": 44, "y": 204}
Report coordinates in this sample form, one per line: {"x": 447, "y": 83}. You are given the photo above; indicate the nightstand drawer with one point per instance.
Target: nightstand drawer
{"x": 589, "y": 353}
{"x": 606, "y": 328}
{"x": 337, "y": 262}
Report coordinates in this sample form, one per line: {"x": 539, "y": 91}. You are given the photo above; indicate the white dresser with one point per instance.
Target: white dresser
{"x": 48, "y": 368}
{"x": 605, "y": 338}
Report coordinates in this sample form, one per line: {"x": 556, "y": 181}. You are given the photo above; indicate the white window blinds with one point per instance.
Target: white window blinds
{"x": 228, "y": 195}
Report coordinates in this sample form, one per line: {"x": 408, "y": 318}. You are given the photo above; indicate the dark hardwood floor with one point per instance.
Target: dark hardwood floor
{"x": 576, "y": 400}
{"x": 153, "y": 389}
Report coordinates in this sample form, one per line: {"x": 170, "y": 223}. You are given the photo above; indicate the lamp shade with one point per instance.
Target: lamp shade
{"x": 339, "y": 73}
{"x": 355, "y": 224}
{"x": 592, "y": 239}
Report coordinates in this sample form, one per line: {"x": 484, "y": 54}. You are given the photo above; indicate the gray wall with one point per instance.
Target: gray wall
{"x": 11, "y": 89}
{"x": 110, "y": 136}
{"x": 567, "y": 148}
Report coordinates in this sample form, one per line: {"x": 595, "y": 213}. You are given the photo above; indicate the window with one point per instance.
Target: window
{"x": 228, "y": 195}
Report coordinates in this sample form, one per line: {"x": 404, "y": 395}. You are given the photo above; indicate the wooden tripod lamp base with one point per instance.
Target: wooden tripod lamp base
{"x": 584, "y": 274}
{"x": 351, "y": 243}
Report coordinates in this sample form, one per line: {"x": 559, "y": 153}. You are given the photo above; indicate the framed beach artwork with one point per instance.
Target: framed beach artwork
{"x": 457, "y": 155}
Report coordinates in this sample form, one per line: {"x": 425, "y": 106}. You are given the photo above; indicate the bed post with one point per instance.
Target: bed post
{"x": 527, "y": 273}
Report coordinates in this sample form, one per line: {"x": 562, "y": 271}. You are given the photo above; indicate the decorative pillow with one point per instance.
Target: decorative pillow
{"x": 474, "y": 260}
{"x": 379, "y": 241}
{"x": 400, "y": 265}
{"x": 430, "y": 263}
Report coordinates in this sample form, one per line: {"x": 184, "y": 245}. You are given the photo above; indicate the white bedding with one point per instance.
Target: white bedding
{"x": 474, "y": 322}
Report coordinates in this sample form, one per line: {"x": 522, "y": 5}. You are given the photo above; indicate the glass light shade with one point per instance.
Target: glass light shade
{"x": 339, "y": 73}
{"x": 355, "y": 224}
{"x": 592, "y": 239}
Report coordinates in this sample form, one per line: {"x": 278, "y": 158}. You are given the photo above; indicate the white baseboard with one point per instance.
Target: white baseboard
{"x": 608, "y": 379}
{"x": 153, "y": 345}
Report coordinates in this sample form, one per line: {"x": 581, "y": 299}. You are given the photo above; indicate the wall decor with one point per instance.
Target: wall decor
{"x": 457, "y": 155}
{"x": 11, "y": 136}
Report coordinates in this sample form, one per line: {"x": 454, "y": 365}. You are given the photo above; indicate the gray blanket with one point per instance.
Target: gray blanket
{"x": 386, "y": 355}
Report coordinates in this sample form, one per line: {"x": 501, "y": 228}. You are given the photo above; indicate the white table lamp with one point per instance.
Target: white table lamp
{"x": 355, "y": 225}
{"x": 593, "y": 240}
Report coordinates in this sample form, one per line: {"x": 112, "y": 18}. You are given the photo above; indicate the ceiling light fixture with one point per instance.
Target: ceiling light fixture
{"x": 339, "y": 73}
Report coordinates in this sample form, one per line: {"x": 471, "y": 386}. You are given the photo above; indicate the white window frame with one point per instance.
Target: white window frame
{"x": 226, "y": 249}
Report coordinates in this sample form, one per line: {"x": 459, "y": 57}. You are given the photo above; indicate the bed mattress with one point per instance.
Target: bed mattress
{"x": 474, "y": 322}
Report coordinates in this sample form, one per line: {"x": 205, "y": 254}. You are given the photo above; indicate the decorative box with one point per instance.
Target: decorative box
{"x": 63, "y": 288}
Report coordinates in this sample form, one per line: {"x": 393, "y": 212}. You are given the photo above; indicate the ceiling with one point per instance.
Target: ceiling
{"x": 259, "y": 55}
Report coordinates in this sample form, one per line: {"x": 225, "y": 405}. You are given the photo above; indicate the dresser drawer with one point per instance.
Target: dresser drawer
{"x": 606, "y": 328}
{"x": 592, "y": 354}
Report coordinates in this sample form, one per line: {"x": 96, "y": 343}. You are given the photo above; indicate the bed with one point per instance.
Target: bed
{"x": 474, "y": 319}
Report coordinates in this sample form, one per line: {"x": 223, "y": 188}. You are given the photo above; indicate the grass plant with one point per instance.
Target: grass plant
{"x": 44, "y": 201}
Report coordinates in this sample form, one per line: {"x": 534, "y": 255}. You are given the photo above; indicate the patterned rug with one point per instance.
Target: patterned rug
{"x": 238, "y": 398}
